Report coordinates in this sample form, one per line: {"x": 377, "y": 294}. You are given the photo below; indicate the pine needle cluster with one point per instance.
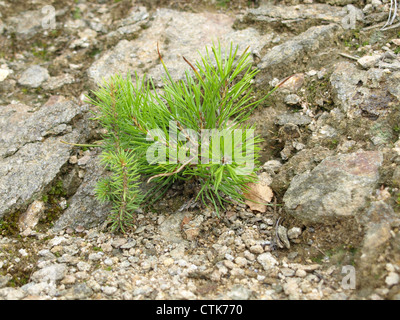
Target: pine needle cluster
{"x": 160, "y": 133}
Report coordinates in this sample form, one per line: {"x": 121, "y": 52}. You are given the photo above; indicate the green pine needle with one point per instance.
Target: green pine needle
{"x": 216, "y": 95}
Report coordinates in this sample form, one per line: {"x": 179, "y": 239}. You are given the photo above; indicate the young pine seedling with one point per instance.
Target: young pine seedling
{"x": 191, "y": 129}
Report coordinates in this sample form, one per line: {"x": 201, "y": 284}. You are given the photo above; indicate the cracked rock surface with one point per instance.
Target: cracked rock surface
{"x": 330, "y": 155}
{"x": 31, "y": 152}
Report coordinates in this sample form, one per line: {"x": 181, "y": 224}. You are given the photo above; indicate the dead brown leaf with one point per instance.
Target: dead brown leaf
{"x": 259, "y": 194}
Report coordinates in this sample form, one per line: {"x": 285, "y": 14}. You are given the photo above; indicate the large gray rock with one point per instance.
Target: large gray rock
{"x": 84, "y": 209}
{"x": 295, "y": 54}
{"x": 29, "y": 23}
{"x": 131, "y": 26}
{"x": 31, "y": 154}
{"x": 338, "y": 187}
{"x": 123, "y": 58}
{"x": 378, "y": 221}
{"x": 370, "y": 93}
{"x": 167, "y": 29}
{"x": 300, "y": 162}
{"x": 298, "y": 18}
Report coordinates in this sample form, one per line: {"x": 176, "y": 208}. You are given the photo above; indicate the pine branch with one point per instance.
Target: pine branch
{"x": 216, "y": 96}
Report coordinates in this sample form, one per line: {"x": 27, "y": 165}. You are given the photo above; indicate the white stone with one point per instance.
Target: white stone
{"x": 287, "y": 272}
{"x": 96, "y": 256}
{"x": 56, "y": 241}
{"x": 83, "y": 266}
{"x": 51, "y": 273}
{"x": 240, "y": 261}
{"x": 292, "y": 99}
{"x": 291, "y": 288}
{"x": 369, "y": 61}
{"x": 12, "y": 293}
{"x": 31, "y": 217}
{"x": 294, "y": 233}
{"x": 4, "y": 73}
{"x": 34, "y": 76}
{"x": 109, "y": 290}
{"x": 392, "y": 279}
{"x": 108, "y": 262}
{"x": 23, "y": 252}
{"x": 256, "y": 249}
{"x": 390, "y": 267}
{"x": 301, "y": 273}
{"x": 376, "y": 3}
{"x": 267, "y": 260}
{"x": 37, "y": 288}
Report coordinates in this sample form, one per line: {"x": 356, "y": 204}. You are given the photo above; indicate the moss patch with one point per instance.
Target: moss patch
{"x": 9, "y": 225}
{"x": 53, "y": 209}
{"x": 20, "y": 265}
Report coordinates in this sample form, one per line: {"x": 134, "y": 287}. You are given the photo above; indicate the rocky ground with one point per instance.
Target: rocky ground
{"x": 331, "y": 153}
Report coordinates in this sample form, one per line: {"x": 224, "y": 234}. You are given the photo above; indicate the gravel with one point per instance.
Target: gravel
{"x": 339, "y": 152}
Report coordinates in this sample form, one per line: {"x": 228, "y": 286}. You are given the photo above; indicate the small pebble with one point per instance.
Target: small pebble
{"x": 294, "y": 233}
{"x": 392, "y": 279}
{"x": 168, "y": 262}
{"x": 257, "y": 249}
{"x": 109, "y": 290}
{"x": 301, "y": 273}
